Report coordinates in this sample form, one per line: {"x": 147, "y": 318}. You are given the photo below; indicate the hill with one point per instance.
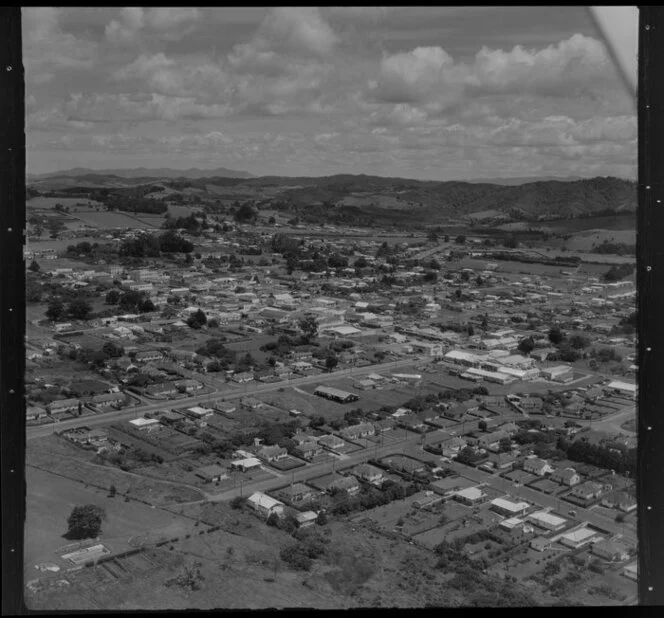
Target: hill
{"x": 143, "y": 172}
{"x": 353, "y": 199}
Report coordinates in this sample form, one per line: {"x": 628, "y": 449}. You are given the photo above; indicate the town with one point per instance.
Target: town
{"x": 223, "y": 377}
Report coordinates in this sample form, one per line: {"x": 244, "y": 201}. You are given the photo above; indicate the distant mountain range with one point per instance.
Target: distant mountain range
{"x": 144, "y": 172}
{"x": 511, "y": 182}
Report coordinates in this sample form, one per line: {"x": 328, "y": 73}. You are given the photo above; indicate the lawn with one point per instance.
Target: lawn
{"x": 50, "y": 499}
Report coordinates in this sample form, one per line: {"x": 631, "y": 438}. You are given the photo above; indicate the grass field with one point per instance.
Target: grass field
{"x": 50, "y": 499}
{"x": 104, "y": 219}
{"x": 42, "y": 202}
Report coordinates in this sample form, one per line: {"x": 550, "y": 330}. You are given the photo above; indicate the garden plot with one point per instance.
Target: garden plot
{"x": 546, "y": 486}
{"x": 520, "y": 476}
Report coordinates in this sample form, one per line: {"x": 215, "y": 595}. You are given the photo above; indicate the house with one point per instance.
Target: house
{"x": 297, "y": 492}
{"x": 246, "y": 463}
{"x": 537, "y": 466}
{"x": 453, "y": 446}
{"x": 331, "y": 442}
{"x": 540, "y": 543}
{"x": 146, "y": 424}
{"x": 369, "y": 473}
{"x": 188, "y": 385}
{"x": 264, "y": 504}
{"x": 610, "y": 550}
{"x": 347, "y": 483}
{"x": 361, "y": 430}
{"x": 579, "y": 537}
{"x": 502, "y": 461}
{"x": 272, "y": 453}
{"x": 547, "y": 521}
{"x": 308, "y": 449}
{"x": 590, "y": 490}
{"x": 33, "y": 413}
{"x": 165, "y": 388}
{"x": 243, "y": 376}
{"x": 225, "y": 407}
{"x": 566, "y": 476}
{"x": 108, "y": 399}
{"x": 306, "y": 518}
{"x": 385, "y": 424}
{"x": 491, "y": 440}
{"x": 412, "y": 422}
{"x": 63, "y": 405}
{"x": 148, "y": 355}
{"x": 211, "y": 474}
{"x": 620, "y": 500}
{"x": 631, "y": 571}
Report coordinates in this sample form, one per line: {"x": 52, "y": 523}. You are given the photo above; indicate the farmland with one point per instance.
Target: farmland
{"x": 50, "y": 499}
{"x": 106, "y": 220}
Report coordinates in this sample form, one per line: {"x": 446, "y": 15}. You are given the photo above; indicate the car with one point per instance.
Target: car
{"x": 572, "y": 512}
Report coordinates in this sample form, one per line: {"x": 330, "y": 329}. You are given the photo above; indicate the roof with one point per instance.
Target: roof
{"x": 511, "y": 522}
{"x": 547, "y": 518}
{"x": 144, "y": 422}
{"x": 247, "y": 461}
{"x": 579, "y": 535}
{"x": 626, "y": 386}
{"x": 262, "y": 500}
{"x": 472, "y": 493}
{"x": 210, "y": 471}
{"x": 508, "y": 505}
{"x": 335, "y": 392}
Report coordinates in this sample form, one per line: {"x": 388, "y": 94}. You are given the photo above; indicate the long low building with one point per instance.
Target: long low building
{"x": 544, "y": 519}
{"x": 579, "y": 537}
{"x": 335, "y": 394}
{"x": 509, "y": 508}
{"x": 490, "y": 376}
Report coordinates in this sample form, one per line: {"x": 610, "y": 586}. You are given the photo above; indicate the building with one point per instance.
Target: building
{"x": 211, "y": 474}
{"x": 579, "y": 537}
{"x": 610, "y": 550}
{"x": 272, "y": 453}
{"x": 33, "y": 413}
{"x": 188, "y": 385}
{"x": 547, "y": 521}
{"x": 369, "y": 474}
{"x": 165, "y": 388}
{"x": 537, "y": 466}
{"x": 620, "y": 500}
{"x": 243, "y": 376}
{"x": 199, "y": 413}
{"x": 509, "y": 508}
{"x": 264, "y": 504}
{"x": 108, "y": 399}
{"x": 145, "y": 356}
{"x": 559, "y": 373}
{"x": 308, "y": 449}
{"x": 306, "y": 518}
{"x": 622, "y": 388}
{"x": 331, "y": 442}
{"x": 346, "y": 483}
{"x": 63, "y": 405}
{"x": 540, "y": 543}
{"x": 631, "y": 571}
{"x": 490, "y": 376}
{"x": 361, "y": 430}
{"x": 146, "y": 424}
{"x": 566, "y": 476}
{"x": 297, "y": 492}
{"x": 335, "y": 394}
{"x": 225, "y": 407}
{"x": 590, "y": 490}
{"x": 247, "y": 463}
{"x": 469, "y": 496}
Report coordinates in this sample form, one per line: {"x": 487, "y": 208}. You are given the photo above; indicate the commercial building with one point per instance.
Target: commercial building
{"x": 248, "y": 463}
{"x": 335, "y": 394}
{"x": 547, "y": 521}
{"x": 578, "y": 538}
{"x": 496, "y": 377}
{"x": 146, "y": 424}
{"x": 622, "y": 388}
{"x": 559, "y": 373}
{"x": 469, "y": 496}
{"x": 509, "y": 508}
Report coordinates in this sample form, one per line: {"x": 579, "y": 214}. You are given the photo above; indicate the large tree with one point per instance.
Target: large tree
{"x": 55, "y": 310}
{"x": 79, "y": 309}
{"x": 85, "y": 522}
{"x": 556, "y": 335}
{"x": 309, "y": 327}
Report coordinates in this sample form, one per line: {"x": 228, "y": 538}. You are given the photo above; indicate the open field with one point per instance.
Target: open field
{"x": 50, "y": 499}
{"x": 105, "y": 219}
{"x": 41, "y": 202}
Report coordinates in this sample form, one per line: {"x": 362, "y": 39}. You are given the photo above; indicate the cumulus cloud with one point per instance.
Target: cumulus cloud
{"x": 47, "y": 48}
{"x": 572, "y": 66}
{"x": 165, "y": 22}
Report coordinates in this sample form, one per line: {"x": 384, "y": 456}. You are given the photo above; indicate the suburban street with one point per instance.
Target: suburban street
{"x": 229, "y": 392}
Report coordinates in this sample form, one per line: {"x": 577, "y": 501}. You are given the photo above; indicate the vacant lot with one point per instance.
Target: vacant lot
{"x": 50, "y": 499}
{"x": 106, "y": 220}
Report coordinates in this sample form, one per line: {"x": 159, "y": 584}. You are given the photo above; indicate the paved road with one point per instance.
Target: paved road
{"x": 229, "y": 392}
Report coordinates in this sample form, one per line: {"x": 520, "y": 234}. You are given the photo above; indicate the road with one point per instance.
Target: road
{"x": 228, "y": 393}
{"x": 612, "y": 423}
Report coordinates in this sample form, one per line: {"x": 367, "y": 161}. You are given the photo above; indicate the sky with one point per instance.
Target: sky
{"x": 431, "y": 93}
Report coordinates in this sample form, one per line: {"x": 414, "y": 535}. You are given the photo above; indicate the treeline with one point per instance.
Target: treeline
{"x": 150, "y": 245}
{"x": 614, "y": 248}
{"x": 614, "y": 456}
{"x": 618, "y": 272}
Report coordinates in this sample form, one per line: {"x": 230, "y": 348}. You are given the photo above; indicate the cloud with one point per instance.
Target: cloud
{"x": 47, "y": 48}
{"x": 164, "y": 22}
{"x": 124, "y": 30}
{"x": 573, "y": 66}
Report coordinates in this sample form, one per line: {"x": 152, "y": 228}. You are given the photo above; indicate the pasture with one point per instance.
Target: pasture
{"x": 106, "y": 220}
{"x": 48, "y": 203}
{"x": 50, "y": 499}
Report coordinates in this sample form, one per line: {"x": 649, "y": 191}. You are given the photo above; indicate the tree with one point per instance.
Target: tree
{"x": 331, "y": 362}
{"x": 482, "y": 426}
{"x": 578, "y": 342}
{"x": 79, "y": 309}
{"x": 55, "y": 310}
{"x": 34, "y": 267}
{"x": 85, "y": 522}
{"x": 321, "y": 518}
{"x": 309, "y": 327}
{"x": 505, "y": 445}
{"x": 460, "y": 239}
{"x": 197, "y": 320}
{"x": 245, "y": 213}
{"x": 526, "y": 346}
{"x": 556, "y": 335}
{"x": 112, "y": 491}
{"x": 432, "y": 236}
{"x": 112, "y": 297}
